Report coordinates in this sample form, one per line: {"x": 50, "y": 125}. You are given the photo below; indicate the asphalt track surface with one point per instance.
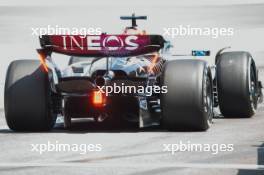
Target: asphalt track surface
{"x": 136, "y": 151}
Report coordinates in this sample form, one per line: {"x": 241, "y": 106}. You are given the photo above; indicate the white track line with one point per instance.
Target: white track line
{"x": 147, "y": 165}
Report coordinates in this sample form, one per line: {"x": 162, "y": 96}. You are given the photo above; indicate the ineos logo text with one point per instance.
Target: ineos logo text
{"x": 111, "y": 42}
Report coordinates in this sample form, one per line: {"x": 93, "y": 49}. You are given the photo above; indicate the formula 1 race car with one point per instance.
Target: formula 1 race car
{"x": 127, "y": 79}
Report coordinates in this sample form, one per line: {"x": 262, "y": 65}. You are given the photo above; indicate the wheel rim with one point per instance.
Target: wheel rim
{"x": 252, "y": 88}
{"x": 208, "y": 98}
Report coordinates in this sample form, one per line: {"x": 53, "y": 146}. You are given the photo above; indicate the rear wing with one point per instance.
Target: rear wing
{"x": 102, "y": 45}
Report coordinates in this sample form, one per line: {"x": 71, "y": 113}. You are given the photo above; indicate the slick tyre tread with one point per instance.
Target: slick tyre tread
{"x": 183, "y": 104}
{"x": 27, "y": 97}
{"x": 234, "y": 71}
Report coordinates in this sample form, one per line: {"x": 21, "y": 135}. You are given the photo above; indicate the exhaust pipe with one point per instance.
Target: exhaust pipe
{"x": 100, "y": 81}
{"x": 104, "y": 80}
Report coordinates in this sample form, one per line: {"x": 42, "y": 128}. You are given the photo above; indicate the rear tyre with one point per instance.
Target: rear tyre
{"x": 237, "y": 84}
{"x": 28, "y": 97}
{"x": 188, "y": 104}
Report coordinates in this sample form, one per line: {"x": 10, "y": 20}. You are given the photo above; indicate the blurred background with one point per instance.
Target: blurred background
{"x": 18, "y": 17}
